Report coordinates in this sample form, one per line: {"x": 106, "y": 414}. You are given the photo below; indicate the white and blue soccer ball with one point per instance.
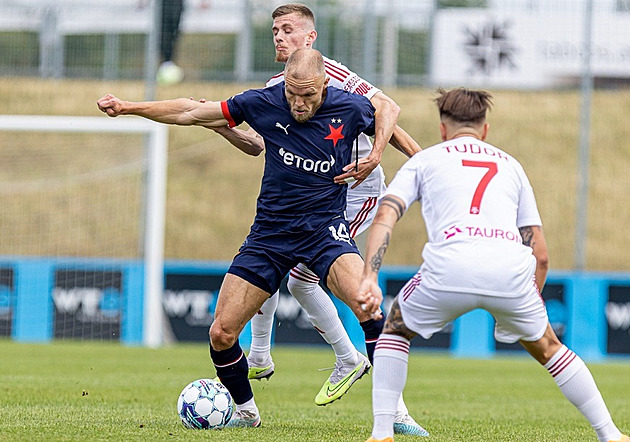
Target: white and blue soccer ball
{"x": 205, "y": 404}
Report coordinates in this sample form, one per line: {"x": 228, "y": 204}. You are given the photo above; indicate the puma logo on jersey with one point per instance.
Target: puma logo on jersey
{"x": 284, "y": 128}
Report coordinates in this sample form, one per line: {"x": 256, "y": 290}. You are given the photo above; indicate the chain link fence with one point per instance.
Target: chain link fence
{"x": 387, "y": 42}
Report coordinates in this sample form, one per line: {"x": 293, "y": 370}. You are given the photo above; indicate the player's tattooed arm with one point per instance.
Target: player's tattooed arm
{"x": 392, "y": 202}
{"x": 394, "y": 324}
{"x": 534, "y": 237}
{"x": 527, "y": 233}
{"x": 377, "y": 259}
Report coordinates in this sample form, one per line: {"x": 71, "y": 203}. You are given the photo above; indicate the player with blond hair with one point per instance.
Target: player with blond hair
{"x": 294, "y": 28}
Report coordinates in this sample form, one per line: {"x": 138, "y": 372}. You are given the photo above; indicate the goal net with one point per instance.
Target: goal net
{"x": 81, "y": 228}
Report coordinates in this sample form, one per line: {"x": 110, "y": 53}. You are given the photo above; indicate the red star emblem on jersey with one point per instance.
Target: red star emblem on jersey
{"x": 335, "y": 134}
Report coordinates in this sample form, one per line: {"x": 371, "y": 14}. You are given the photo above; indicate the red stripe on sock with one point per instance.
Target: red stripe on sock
{"x": 392, "y": 344}
{"x": 301, "y": 275}
{"x": 560, "y": 360}
{"x": 566, "y": 364}
{"x": 230, "y": 363}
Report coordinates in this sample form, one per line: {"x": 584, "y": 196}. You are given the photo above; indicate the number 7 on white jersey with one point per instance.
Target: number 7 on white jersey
{"x": 483, "y": 184}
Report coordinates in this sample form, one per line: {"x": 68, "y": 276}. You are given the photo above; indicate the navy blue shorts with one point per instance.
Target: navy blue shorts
{"x": 266, "y": 256}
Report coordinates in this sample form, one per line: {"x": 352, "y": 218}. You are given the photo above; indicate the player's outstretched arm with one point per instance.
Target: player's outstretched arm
{"x": 402, "y": 141}
{"x": 390, "y": 210}
{"x": 181, "y": 111}
{"x": 385, "y": 119}
{"x": 534, "y": 237}
{"x": 249, "y": 141}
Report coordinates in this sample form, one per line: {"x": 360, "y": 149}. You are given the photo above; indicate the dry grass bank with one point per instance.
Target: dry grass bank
{"x": 212, "y": 187}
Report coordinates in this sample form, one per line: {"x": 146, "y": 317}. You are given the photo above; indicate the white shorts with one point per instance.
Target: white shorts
{"x": 426, "y": 311}
{"x": 360, "y": 211}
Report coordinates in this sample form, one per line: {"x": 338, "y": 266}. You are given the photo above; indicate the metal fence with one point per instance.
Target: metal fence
{"x": 388, "y": 42}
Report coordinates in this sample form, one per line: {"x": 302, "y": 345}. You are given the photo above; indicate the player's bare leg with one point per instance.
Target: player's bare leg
{"x": 238, "y": 302}
{"x": 344, "y": 278}
{"x": 575, "y": 381}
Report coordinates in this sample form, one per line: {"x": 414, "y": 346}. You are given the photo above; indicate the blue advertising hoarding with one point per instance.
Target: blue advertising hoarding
{"x": 45, "y": 299}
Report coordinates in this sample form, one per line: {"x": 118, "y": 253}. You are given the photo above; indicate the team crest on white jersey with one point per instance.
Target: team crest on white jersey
{"x": 284, "y": 128}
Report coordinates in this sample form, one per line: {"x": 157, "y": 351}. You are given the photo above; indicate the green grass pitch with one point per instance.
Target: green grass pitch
{"x": 67, "y": 391}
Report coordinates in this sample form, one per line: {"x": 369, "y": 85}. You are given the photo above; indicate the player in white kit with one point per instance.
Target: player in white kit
{"x": 294, "y": 28}
{"x": 485, "y": 249}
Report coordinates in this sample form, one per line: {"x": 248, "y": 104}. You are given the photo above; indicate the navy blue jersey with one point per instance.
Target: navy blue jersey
{"x": 301, "y": 159}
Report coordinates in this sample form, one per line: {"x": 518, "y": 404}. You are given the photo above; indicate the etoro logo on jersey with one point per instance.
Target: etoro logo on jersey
{"x": 306, "y": 164}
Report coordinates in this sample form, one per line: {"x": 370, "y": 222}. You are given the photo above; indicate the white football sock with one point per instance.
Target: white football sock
{"x": 262, "y": 325}
{"x": 250, "y": 405}
{"x": 401, "y": 407}
{"x": 577, "y": 384}
{"x": 391, "y": 357}
{"x": 304, "y": 286}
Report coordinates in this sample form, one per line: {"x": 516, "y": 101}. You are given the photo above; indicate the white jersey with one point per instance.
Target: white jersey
{"x": 474, "y": 197}
{"x": 343, "y": 78}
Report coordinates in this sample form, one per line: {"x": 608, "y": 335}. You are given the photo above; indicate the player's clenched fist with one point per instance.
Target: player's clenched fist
{"x": 111, "y": 105}
{"x": 370, "y": 297}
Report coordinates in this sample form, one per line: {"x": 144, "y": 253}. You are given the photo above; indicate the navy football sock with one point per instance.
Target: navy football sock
{"x": 232, "y": 369}
{"x": 372, "y": 328}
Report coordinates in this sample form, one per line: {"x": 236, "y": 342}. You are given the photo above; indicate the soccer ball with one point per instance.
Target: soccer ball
{"x": 205, "y": 404}
{"x": 169, "y": 73}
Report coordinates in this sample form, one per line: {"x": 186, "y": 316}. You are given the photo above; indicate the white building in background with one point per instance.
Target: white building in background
{"x": 511, "y": 43}
{"x": 527, "y": 48}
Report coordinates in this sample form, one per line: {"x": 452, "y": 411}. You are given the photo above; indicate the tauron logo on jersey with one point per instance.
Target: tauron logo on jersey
{"x": 452, "y": 231}
{"x": 492, "y": 233}
{"x": 335, "y": 132}
{"x": 484, "y": 232}
{"x": 291, "y": 159}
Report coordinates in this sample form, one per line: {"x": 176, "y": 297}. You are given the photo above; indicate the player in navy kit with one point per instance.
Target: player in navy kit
{"x": 294, "y": 28}
{"x": 309, "y": 131}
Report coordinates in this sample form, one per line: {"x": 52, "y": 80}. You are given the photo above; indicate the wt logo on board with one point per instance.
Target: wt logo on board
{"x": 618, "y": 315}
{"x": 618, "y": 319}
{"x": 195, "y": 306}
{"x": 88, "y": 304}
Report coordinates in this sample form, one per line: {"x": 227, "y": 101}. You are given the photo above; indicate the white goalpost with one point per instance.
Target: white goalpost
{"x": 129, "y": 239}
